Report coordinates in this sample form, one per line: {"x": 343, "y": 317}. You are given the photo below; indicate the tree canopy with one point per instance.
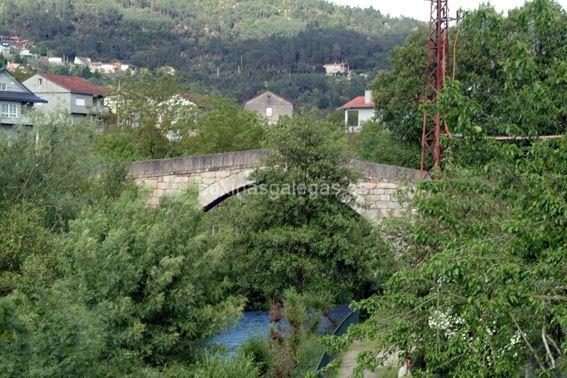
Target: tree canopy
{"x": 236, "y": 47}
{"x": 481, "y": 281}
{"x": 92, "y": 280}
{"x": 511, "y": 68}
{"x": 296, "y": 229}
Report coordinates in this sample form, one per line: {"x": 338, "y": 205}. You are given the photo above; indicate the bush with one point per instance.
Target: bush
{"x": 257, "y": 351}
{"x": 376, "y": 143}
{"x": 148, "y": 283}
{"x": 49, "y": 166}
{"x": 219, "y": 367}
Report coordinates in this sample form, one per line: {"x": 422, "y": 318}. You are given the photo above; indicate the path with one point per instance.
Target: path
{"x": 348, "y": 363}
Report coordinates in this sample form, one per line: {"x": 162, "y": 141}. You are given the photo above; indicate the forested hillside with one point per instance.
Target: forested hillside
{"x": 236, "y": 46}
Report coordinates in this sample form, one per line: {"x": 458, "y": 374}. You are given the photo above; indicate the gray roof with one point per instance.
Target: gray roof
{"x": 20, "y": 97}
{"x": 28, "y": 96}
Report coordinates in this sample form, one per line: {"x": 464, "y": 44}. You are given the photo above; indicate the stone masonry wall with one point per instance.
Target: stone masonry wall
{"x": 169, "y": 184}
{"x": 377, "y": 199}
{"x": 219, "y": 174}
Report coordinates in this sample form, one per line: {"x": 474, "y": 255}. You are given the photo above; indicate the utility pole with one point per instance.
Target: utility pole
{"x": 434, "y": 126}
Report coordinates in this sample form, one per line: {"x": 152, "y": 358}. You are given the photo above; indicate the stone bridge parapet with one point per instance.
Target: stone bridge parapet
{"x": 219, "y": 176}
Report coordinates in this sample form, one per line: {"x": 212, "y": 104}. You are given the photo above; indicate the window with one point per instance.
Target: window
{"x": 39, "y": 80}
{"x": 3, "y": 87}
{"x": 268, "y": 112}
{"x": 9, "y": 110}
{"x": 80, "y": 101}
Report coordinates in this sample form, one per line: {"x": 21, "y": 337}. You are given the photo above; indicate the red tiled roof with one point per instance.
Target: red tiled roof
{"x": 357, "y": 103}
{"x": 75, "y": 84}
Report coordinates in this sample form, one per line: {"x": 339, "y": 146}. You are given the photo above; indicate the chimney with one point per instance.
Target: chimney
{"x": 368, "y": 96}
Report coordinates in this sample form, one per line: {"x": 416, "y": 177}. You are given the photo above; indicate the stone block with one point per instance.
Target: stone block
{"x": 372, "y": 215}
{"x": 181, "y": 179}
{"x": 206, "y": 181}
{"x": 209, "y": 175}
{"x": 368, "y": 185}
{"x": 371, "y": 198}
{"x": 386, "y": 185}
{"x": 224, "y": 173}
{"x": 393, "y": 205}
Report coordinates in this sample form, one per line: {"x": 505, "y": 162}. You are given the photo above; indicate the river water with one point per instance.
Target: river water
{"x": 257, "y": 324}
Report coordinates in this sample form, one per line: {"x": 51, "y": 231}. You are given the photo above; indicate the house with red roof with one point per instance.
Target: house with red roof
{"x": 68, "y": 94}
{"x": 358, "y": 111}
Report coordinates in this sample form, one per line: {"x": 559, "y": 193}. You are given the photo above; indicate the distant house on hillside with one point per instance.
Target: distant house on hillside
{"x": 55, "y": 60}
{"x": 358, "y": 111}
{"x": 106, "y": 68}
{"x": 334, "y": 69}
{"x": 12, "y": 67}
{"x": 270, "y": 106}
{"x": 166, "y": 70}
{"x": 16, "y": 101}
{"x": 69, "y": 94}
{"x": 15, "y": 43}
{"x": 102, "y": 67}
{"x": 82, "y": 61}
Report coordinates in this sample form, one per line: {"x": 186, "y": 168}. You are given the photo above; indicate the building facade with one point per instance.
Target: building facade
{"x": 270, "y": 106}
{"x": 358, "y": 111}
{"x": 67, "y": 94}
{"x": 16, "y": 101}
{"x": 334, "y": 69}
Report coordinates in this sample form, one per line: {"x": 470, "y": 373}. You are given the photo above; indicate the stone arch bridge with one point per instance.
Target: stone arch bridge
{"x": 220, "y": 176}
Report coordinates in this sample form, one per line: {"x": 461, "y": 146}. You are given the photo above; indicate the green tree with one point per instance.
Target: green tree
{"x": 155, "y": 118}
{"x": 511, "y": 67}
{"x": 376, "y": 143}
{"x": 136, "y": 288}
{"x": 482, "y": 281}
{"x": 224, "y": 128}
{"x": 296, "y": 229}
{"x": 23, "y": 235}
{"x": 151, "y": 116}
{"x": 397, "y": 90}
{"x": 235, "y": 37}
{"x": 48, "y": 166}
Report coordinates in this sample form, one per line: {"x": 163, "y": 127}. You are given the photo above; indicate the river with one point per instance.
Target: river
{"x": 257, "y": 324}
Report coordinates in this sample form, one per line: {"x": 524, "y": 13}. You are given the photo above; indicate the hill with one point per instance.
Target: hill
{"x": 234, "y": 46}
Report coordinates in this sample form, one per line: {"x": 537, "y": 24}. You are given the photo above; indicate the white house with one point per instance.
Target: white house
{"x": 27, "y": 52}
{"x": 334, "y": 69}
{"x": 55, "y": 60}
{"x": 358, "y": 111}
{"x": 102, "y": 67}
{"x": 16, "y": 101}
{"x": 82, "y": 61}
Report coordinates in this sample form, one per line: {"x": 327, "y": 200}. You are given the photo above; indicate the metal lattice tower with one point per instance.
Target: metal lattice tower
{"x": 434, "y": 126}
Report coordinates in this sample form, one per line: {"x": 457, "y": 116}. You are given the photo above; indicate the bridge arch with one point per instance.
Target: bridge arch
{"x": 220, "y": 176}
